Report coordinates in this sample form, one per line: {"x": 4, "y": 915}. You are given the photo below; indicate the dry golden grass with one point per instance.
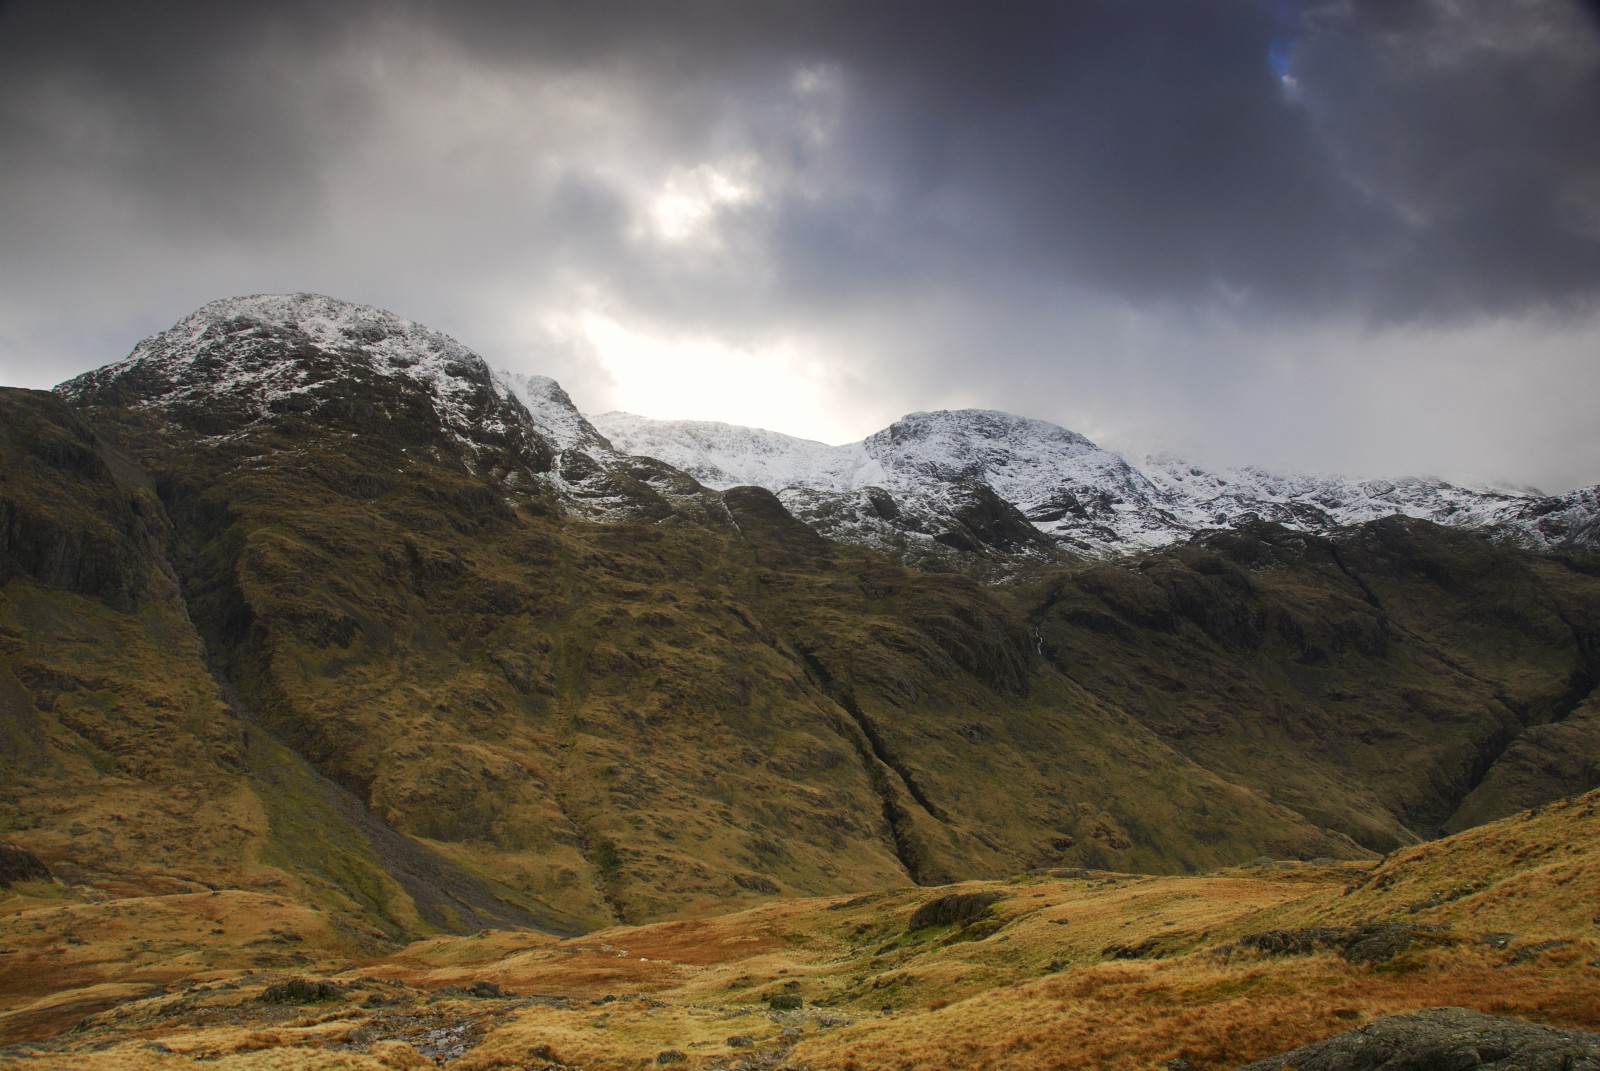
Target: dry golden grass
{"x": 1047, "y": 988}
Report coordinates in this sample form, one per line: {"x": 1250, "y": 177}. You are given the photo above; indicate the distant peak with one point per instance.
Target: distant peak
{"x": 554, "y": 415}
{"x": 981, "y": 423}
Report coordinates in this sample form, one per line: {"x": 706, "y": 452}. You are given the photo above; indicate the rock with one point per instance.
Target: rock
{"x": 300, "y": 991}
{"x": 1372, "y": 942}
{"x": 19, "y": 864}
{"x": 1290, "y": 942}
{"x": 953, "y": 909}
{"x": 1444, "y": 1039}
{"x": 741, "y": 1041}
{"x": 784, "y": 1001}
{"x": 670, "y": 1056}
{"x": 1378, "y": 942}
{"x": 1527, "y": 952}
{"x": 757, "y": 884}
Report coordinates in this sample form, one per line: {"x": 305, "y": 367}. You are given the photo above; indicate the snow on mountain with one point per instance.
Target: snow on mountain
{"x": 240, "y": 362}
{"x": 592, "y": 476}
{"x": 1569, "y": 520}
{"x": 245, "y": 356}
{"x": 553, "y": 413}
{"x": 725, "y": 455}
{"x": 937, "y": 481}
{"x": 929, "y": 485}
{"x": 1226, "y": 497}
{"x": 921, "y": 483}
{"x": 1065, "y": 485}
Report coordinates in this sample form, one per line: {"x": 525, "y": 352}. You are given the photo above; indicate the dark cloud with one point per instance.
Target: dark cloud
{"x": 1124, "y": 202}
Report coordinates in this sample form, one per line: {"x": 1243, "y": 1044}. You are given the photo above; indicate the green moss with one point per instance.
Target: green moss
{"x": 39, "y": 889}
{"x": 309, "y": 836}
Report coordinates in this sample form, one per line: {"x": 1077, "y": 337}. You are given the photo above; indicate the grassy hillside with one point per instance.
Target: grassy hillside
{"x": 1064, "y": 969}
{"x": 124, "y": 766}
{"x": 443, "y": 703}
{"x": 1393, "y": 682}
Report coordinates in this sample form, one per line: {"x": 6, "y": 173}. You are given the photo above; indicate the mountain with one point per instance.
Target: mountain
{"x": 978, "y": 482}
{"x": 426, "y": 650}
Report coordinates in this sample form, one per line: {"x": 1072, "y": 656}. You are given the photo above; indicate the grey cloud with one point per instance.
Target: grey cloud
{"x": 1432, "y": 158}
{"x": 1048, "y": 207}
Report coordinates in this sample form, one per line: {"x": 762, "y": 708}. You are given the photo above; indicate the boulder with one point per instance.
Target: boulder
{"x": 1444, "y": 1039}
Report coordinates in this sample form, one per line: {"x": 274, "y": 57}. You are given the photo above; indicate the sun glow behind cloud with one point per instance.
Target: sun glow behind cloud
{"x": 690, "y": 199}
{"x": 706, "y": 379}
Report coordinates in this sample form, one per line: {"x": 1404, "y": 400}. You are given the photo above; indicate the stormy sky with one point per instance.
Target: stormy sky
{"x": 1342, "y": 235}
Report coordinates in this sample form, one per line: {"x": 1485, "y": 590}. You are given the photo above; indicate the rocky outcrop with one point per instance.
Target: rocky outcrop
{"x": 19, "y": 864}
{"x": 1444, "y": 1039}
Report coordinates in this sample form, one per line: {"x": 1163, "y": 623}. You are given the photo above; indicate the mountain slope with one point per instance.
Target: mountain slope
{"x": 123, "y": 763}
{"x": 1395, "y": 671}
{"x": 605, "y": 692}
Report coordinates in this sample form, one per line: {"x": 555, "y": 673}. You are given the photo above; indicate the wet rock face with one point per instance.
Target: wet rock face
{"x": 1444, "y": 1039}
{"x": 68, "y": 519}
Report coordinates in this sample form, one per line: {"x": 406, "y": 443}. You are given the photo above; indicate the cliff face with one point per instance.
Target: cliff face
{"x": 73, "y": 514}
{"x": 113, "y": 732}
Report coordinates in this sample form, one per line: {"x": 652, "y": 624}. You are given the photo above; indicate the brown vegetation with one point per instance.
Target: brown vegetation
{"x": 1086, "y": 969}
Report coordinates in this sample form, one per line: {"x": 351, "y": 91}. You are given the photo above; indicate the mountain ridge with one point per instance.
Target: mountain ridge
{"x": 1082, "y": 498}
{"x": 933, "y": 487}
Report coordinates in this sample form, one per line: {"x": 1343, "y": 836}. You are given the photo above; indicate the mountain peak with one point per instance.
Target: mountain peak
{"x": 978, "y": 424}
{"x": 263, "y": 359}
{"x": 554, "y": 415}
{"x": 329, "y": 320}
{"x": 931, "y": 481}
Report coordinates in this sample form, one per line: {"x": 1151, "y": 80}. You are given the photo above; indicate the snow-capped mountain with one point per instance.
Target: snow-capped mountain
{"x": 925, "y": 480}
{"x": 929, "y": 486}
{"x": 241, "y": 364}
{"x": 240, "y": 361}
